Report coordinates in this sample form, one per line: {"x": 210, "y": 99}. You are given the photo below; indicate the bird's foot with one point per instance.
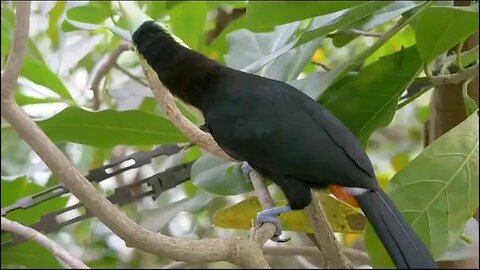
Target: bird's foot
{"x": 246, "y": 169}
{"x": 271, "y": 216}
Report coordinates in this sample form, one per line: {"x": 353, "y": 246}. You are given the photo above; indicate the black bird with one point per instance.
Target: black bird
{"x": 282, "y": 133}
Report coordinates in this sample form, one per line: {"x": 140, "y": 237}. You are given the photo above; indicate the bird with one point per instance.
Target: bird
{"x": 283, "y": 134}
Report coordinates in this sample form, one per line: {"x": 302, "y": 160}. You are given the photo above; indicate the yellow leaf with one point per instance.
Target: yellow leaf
{"x": 342, "y": 217}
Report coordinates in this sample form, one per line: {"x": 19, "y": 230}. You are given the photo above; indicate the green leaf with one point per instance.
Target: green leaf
{"x": 368, "y": 101}
{"x": 55, "y": 14}
{"x": 210, "y": 173}
{"x": 8, "y": 24}
{"x": 88, "y": 14}
{"x": 22, "y": 99}
{"x": 41, "y": 74}
{"x": 110, "y": 128}
{"x": 438, "y": 29}
{"x": 342, "y": 217}
{"x": 155, "y": 219}
{"x": 437, "y": 192}
{"x": 189, "y": 25}
{"x": 322, "y": 25}
{"x": 261, "y": 13}
{"x": 28, "y": 254}
{"x": 352, "y": 15}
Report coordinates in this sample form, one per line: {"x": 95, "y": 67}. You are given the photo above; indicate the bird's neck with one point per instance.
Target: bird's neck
{"x": 184, "y": 72}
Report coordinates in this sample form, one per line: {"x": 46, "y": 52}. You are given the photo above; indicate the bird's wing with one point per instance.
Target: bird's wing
{"x": 280, "y": 131}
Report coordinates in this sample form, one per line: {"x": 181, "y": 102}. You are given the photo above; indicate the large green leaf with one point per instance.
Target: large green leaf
{"x": 189, "y": 21}
{"x": 219, "y": 176}
{"x": 368, "y": 100}
{"x": 28, "y": 254}
{"x": 41, "y": 74}
{"x": 437, "y": 192}
{"x": 109, "y": 128}
{"x": 438, "y": 29}
{"x": 264, "y": 13}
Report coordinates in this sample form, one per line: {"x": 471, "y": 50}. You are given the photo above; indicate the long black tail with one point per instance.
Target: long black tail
{"x": 397, "y": 236}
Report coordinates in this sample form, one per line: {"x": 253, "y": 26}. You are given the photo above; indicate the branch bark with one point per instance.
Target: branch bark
{"x": 235, "y": 250}
{"x": 111, "y": 61}
{"x": 327, "y": 242}
{"x": 56, "y": 249}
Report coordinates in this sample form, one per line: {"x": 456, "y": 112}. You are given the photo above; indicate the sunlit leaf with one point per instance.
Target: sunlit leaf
{"x": 437, "y": 192}
{"x": 342, "y": 217}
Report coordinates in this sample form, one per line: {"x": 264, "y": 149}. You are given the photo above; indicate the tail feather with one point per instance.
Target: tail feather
{"x": 397, "y": 236}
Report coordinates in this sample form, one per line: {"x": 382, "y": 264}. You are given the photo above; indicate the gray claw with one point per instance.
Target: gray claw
{"x": 246, "y": 169}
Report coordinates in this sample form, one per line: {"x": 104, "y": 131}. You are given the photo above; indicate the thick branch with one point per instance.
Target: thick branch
{"x": 235, "y": 250}
{"x": 19, "y": 46}
{"x": 31, "y": 234}
{"x": 327, "y": 243}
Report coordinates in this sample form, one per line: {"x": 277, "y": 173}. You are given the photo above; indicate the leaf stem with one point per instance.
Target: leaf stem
{"x": 466, "y": 238}
{"x": 413, "y": 97}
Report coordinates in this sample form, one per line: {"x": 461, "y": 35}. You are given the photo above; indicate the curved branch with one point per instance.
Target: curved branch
{"x": 56, "y": 249}
{"x": 193, "y": 133}
{"x": 456, "y": 78}
{"x": 235, "y": 250}
{"x": 103, "y": 70}
{"x": 19, "y": 46}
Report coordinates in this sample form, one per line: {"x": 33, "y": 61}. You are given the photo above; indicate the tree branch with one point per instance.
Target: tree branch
{"x": 103, "y": 70}
{"x": 323, "y": 231}
{"x": 193, "y": 133}
{"x": 56, "y": 249}
{"x": 235, "y": 250}
{"x": 327, "y": 243}
{"x": 456, "y": 78}
{"x": 19, "y": 46}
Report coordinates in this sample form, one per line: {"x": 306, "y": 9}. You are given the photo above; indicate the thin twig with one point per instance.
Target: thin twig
{"x": 456, "y": 78}
{"x": 357, "y": 32}
{"x": 131, "y": 75}
{"x": 31, "y": 234}
{"x": 325, "y": 67}
{"x": 103, "y": 70}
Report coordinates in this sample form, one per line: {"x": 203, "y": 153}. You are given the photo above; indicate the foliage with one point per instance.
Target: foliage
{"x": 70, "y": 41}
